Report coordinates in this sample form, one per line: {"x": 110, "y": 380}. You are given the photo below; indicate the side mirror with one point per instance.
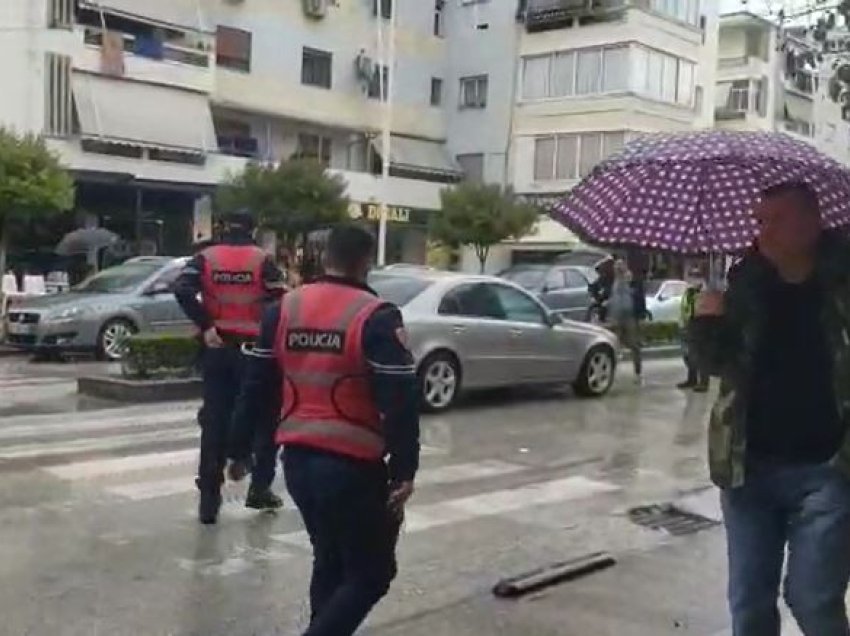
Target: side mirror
{"x": 554, "y": 319}
{"x": 662, "y": 298}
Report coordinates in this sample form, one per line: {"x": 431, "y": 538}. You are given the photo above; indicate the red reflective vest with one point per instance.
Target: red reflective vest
{"x": 233, "y": 290}
{"x": 327, "y": 399}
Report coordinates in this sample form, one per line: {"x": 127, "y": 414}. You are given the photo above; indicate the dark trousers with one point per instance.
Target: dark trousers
{"x": 344, "y": 507}
{"x": 696, "y": 370}
{"x": 807, "y": 509}
{"x": 222, "y": 374}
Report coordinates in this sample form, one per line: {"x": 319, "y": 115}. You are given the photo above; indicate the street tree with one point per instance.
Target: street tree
{"x": 32, "y": 183}
{"x": 481, "y": 216}
{"x": 294, "y": 198}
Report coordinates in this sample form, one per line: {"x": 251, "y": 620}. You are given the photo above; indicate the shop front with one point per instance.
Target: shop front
{"x": 407, "y": 230}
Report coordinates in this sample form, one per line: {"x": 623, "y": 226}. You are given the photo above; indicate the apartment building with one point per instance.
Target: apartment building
{"x": 778, "y": 79}
{"x": 591, "y": 75}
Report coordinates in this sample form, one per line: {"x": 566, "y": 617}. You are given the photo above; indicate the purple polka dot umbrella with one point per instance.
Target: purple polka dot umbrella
{"x": 693, "y": 193}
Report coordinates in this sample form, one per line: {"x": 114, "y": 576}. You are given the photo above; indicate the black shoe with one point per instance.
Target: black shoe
{"x": 263, "y": 500}
{"x": 209, "y": 506}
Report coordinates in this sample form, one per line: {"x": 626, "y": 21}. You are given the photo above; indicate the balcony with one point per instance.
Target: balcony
{"x": 544, "y": 15}
{"x": 171, "y": 63}
{"x": 801, "y": 82}
{"x": 799, "y": 128}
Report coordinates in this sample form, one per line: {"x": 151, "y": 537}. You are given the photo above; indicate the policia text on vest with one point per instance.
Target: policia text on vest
{"x": 315, "y": 341}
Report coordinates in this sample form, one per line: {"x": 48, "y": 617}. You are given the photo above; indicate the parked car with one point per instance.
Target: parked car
{"x": 480, "y": 332}
{"x": 664, "y": 299}
{"x": 584, "y": 257}
{"x": 99, "y": 313}
{"x": 562, "y": 288}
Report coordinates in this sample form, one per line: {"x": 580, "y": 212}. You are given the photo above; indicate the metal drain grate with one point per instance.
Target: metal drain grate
{"x": 670, "y": 519}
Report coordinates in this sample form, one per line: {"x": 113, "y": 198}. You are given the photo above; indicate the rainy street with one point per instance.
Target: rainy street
{"x": 99, "y": 536}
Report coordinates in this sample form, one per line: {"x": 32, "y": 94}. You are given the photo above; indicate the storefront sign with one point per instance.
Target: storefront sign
{"x": 395, "y": 213}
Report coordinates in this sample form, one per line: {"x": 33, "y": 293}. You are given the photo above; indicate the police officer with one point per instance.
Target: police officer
{"x": 337, "y": 362}
{"x": 234, "y": 278}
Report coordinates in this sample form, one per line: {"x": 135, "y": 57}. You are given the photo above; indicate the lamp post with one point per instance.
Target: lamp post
{"x": 386, "y": 83}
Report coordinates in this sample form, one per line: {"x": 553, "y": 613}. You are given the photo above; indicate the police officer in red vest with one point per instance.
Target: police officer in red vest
{"x": 235, "y": 280}
{"x": 337, "y": 363}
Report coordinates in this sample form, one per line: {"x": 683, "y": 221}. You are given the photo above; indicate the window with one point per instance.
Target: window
{"x": 536, "y": 74}
{"x": 685, "y": 84}
{"x": 563, "y": 74}
{"x": 315, "y": 147}
{"x": 472, "y": 165}
{"x": 517, "y": 307}
{"x": 473, "y": 91}
{"x": 384, "y": 6}
{"x": 555, "y": 280}
{"x": 589, "y": 72}
{"x": 58, "y": 104}
{"x": 379, "y": 84}
{"x": 316, "y": 68}
{"x": 398, "y": 290}
{"x": 662, "y": 77}
{"x": 590, "y": 152}
{"x": 566, "y": 166}
{"x": 615, "y": 75}
{"x": 584, "y": 72}
{"x": 167, "y": 279}
{"x": 682, "y": 10}
{"x": 436, "y": 91}
{"x": 575, "y": 280}
{"x": 233, "y": 48}
{"x": 612, "y": 143}
{"x": 61, "y": 14}
{"x": 439, "y": 5}
{"x": 472, "y": 301}
{"x": 544, "y": 159}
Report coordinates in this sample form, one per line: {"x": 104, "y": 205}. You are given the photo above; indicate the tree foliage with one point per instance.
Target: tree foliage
{"x": 481, "y": 216}
{"x": 32, "y": 183}
{"x": 293, "y": 198}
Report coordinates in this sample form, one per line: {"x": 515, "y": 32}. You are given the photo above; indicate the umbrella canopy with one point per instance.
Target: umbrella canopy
{"x": 693, "y": 193}
{"x": 86, "y": 239}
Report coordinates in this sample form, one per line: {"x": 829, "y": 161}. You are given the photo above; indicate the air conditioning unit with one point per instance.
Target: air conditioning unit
{"x": 315, "y": 8}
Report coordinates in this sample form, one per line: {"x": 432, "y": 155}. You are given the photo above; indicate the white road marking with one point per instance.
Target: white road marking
{"x": 95, "y": 468}
{"x": 42, "y": 450}
{"x": 60, "y": 427}
{"x": 428, "y": 516}
{"x": 466, "y": 472}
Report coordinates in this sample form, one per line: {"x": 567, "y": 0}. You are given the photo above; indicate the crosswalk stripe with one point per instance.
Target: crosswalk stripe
{"x": 92, "y": 469}
{"x": 449, "y": 474}
{"x": 428, "y": 516}
{"x": 60, "y": 427}
{"x": 42, "y": 450}
{"x": 71, "y": 420}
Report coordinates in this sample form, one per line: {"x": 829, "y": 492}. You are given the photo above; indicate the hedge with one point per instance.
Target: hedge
{"x": 659, "y": 333}
{"x": 160, "y": 355}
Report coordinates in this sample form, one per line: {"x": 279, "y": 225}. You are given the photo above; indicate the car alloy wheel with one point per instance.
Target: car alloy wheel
{"x": 597, "y": 372}
{"x": 440, "y": 382}
{"x": 113, "y": 339}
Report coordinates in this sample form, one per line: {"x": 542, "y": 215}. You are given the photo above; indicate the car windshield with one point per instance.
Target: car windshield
{"x": 118, "y": 280}
{"x": 652, "y": 287}
{"x": 527, "y": 277}
{"x": 399, "y": 290}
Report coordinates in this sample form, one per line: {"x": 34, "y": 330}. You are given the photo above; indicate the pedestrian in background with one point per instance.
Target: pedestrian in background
{"x": 234, "y": 279}
{"x": 626, "y": 308}
{"x": 336, "y": 361}
{"x": 779, "y": 447}
{"x": 697, "y": 379}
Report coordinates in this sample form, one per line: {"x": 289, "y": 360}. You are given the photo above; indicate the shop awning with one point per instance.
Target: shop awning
{"x": 798, "y": 108}
{"x": 124, "y": 111}
{"x": 419, "y": 155}
{"x": 185, "y": 14}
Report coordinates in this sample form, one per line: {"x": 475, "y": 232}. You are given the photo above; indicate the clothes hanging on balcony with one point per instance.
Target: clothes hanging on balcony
{"x": 112, "y": 54}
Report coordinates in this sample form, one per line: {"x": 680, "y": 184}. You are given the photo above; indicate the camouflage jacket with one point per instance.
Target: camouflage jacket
{"x": 728, "y": 346}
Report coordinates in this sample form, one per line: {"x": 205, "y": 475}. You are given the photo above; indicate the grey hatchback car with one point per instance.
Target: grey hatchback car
{"x": 482, "y": 332}
{"x": 136, "y": 296}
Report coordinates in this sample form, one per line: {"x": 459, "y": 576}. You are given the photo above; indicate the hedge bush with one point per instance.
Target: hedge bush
{"x": 659, "y": 333}
{"x": 160, "y": 355}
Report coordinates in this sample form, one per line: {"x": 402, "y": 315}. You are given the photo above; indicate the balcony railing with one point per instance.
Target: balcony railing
{"x": 238, "y": 146}
{"x": 152, "y": 48}
{"x": 797, "y": 127}
{"x": 733, "y": 62}
{"x": 802, "y": 82}
{"x": 541, "y": 15}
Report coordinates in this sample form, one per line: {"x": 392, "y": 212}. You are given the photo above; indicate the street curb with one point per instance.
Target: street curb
{"x": 139, "y": 391}
{"x": 11, "y": 352}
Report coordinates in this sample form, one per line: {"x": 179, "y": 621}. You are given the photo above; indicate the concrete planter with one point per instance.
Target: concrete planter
{"x": 140, "y": 391}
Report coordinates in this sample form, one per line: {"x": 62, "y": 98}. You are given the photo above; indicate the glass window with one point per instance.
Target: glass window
{"x": 398, "y": 290}
{"x": 380, "y": 83}
{"x": 168, "y": 278}
{"x": 436, "y": 91}
{"x": 517, "y": 306}
{"x": 639, "y": 70}
{"x": 590, "y": 152}
{"x": 527, "y": 276}
{"x": 567, "y": 157}
{"x": 555, "y": 280}
{"x": 685, "y": 89}
{"x": 384, "y": 7}
{"x": 233, "y": 48}
{"x": 655, "y": 74}
{"x": 316, "y": 68}
{"x": 575, "y": 279}
{"x": 119, "y": 280}
{"x": 473, "y": 91}
{"x": 616, "y": 73}
{"x": 472, "y": 301}
{"x": 669, "y": 79}
{"x": 563, "y": 75}
{"x": 544, "y": 158}
{"x": 612, "y": 143}
{"x": 314, "y": 147}
{"x": 535, "y": 77}
{"x": 589, "y": 72}
{"x": 472, "y": 165}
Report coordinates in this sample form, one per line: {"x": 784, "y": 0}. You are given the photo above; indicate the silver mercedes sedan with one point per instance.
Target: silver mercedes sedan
{"x": 482, "y": 332}
{"x": 98, "y": 314}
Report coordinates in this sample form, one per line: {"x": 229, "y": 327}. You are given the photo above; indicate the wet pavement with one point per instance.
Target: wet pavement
{"x": 98, "y": 535}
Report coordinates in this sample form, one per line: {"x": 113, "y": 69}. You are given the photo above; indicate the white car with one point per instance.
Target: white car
{"x": 664, "y": 299}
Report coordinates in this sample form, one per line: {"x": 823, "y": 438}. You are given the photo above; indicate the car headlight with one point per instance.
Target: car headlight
{"x": 65, "y": 315}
